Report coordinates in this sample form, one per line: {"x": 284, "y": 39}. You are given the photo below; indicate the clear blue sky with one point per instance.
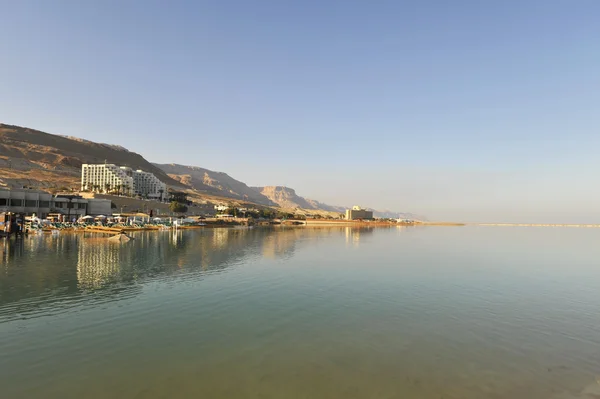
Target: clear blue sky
{"x": 459, "y": 110}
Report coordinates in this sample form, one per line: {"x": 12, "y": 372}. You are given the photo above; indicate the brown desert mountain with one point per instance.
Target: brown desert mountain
{"x": 287, "y": 198}
{"x": 214, "y": 183}
{"x": 30, "y": 157}
{"x": 36, "y": 159}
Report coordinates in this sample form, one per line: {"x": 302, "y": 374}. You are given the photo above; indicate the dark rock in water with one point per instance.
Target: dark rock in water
{"x": 121, "y": 238}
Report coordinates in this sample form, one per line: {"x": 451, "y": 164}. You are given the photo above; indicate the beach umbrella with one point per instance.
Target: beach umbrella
{"x": 87, "y": 217}
{"x": 100, "y": 217}
{"x": 157, "y": 219}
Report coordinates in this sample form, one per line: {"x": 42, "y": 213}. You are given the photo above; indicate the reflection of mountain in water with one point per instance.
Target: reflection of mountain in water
{"x": 281, "y": 244}
{"x": 65, "y": 270}
{"x": 354, "y": 234}
{"x": 98, "y": 263}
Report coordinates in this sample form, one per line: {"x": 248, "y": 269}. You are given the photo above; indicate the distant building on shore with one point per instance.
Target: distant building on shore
{"x": 357, "y": 213}
{"x": 25, "y": 201}
{"x": 110, "y": 178}
{"x": 40, "y": 203}
{"x": 221, "y": 207}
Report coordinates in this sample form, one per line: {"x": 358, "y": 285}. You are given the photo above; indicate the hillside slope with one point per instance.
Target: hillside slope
{"x": 35, "y": 158}
{"x": 287, "y": 198}
{"x": 214, "y": 183}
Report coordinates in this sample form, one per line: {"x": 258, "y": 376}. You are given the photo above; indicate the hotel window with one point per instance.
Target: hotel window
{"x": 16, "y": 202}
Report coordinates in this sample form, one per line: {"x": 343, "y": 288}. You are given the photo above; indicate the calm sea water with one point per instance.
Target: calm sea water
{"x": 437, "y": 312}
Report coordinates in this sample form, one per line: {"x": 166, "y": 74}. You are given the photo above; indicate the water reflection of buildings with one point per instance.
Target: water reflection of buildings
{"x": 98, "y": 262}
{"x": 36, "y": 272}
{"x": 41, "y": 270}
{"x": 71, "y": 263}
{"x": 281, "y": 242}
{"x": 220, "y": 238}
{"x": 13, "y": 249}
{"x": 102, "y": 263}
{"x": 10, "y": 250}
{"x": 353, "y": 235}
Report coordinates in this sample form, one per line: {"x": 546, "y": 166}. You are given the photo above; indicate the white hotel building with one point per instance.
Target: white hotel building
{"x": 113, "y": 178}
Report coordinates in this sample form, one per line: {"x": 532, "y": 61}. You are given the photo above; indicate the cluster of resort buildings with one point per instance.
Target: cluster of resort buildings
{"x": 95, "y": 178}
{"x": 106, "y": 179}
{"x": 110, "y": 178}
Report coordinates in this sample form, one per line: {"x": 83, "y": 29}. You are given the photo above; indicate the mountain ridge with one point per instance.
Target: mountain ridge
{"x": 33, "y": 158}
{"x": 286, "y": 197}
{"x": 215, "y": 183}
{"x": 24, "y": 149}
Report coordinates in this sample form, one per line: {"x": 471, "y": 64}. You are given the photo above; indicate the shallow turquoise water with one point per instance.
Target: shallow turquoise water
{"x": 439, "y": 312}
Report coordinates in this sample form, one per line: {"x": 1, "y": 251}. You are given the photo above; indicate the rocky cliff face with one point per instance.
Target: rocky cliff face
{"x": 214, "y": 183}
{"x": 287, "y": 198}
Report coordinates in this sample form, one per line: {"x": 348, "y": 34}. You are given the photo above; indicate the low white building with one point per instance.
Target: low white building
{"x": 25, "y": 201}
{"x": 40, "y": 203}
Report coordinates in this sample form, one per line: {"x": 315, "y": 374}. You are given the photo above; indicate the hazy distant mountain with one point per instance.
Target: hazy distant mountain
{"x": 325, "y": 207}
{"x": 214, "y": 183}
{"x": 396, "y": 215}
{"x": 287, "y": 198}
{"x": 34, "y": 158}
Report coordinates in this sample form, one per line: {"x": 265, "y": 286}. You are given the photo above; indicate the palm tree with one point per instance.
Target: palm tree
{"x": 161, "y": 191}
{"x": 106, "y": 188}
